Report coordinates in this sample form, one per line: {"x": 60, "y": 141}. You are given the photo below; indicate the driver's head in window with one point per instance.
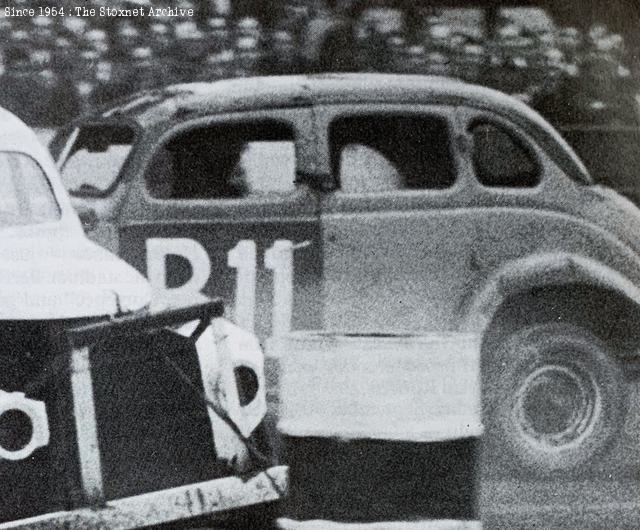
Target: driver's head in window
{"x": 208, "y": 170}
{"x": 364, "y": 170}
{"x": 225, "y": 162}
{"x": 386, "y": 152}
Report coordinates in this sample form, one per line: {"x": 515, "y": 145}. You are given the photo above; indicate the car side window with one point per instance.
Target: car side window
{"x": 96, "y": 158}
{"x": 227, "y": 161}
{"x": 500, "y": 159}
{"x": 26, "y": 197}
{"x": 377, "y": 153}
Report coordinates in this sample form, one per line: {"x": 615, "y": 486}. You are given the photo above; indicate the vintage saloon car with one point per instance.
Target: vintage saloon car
{"x": 405, "y": 203}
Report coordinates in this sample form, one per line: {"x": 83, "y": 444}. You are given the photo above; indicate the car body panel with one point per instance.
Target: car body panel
{"x": 422, "y": 260}
{"x": 62, "y": 277}
{"x": 50, "y": 270}
{"x": 218, "y": 240}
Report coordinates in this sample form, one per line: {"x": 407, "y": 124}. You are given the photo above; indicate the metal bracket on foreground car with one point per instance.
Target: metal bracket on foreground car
{"x": 91, "y": 505}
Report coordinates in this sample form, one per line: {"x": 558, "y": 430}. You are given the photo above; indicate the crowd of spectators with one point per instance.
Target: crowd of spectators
{"x": 53, "y": 68}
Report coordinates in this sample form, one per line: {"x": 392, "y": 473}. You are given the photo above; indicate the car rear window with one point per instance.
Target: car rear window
{"x": 377, "y": 153}
{"x": 228, "y": 161}
{"x": 95, "y": 156}
{"x": 25, "y": 193}
{"x": 500, "y": 159}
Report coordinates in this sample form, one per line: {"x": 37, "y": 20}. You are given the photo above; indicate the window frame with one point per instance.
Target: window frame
{"x": 213, "y": 122}
{"x": 445, "y": 113}
{"x": 49, "y": 186}
{"x": 62, "y": 147}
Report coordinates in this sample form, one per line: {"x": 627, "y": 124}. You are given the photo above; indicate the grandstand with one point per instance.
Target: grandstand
{"x": 573, "y": 68}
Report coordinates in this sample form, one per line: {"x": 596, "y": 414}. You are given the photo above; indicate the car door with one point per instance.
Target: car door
{"x": 211, "y": 199}
{"x": 397, "y": 231}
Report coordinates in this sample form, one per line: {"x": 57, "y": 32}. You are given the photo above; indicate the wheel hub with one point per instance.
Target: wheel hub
{"x": 555, "y": 405}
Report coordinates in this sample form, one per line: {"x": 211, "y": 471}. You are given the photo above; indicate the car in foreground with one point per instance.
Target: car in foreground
{"x": 50, "y": 269}
{"x": 370, "y": 203}
{"x": 93, "y": 403}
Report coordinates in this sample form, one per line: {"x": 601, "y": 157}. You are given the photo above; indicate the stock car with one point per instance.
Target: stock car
{"x": 102, "y": 425}
{"x": 375, "y": 203}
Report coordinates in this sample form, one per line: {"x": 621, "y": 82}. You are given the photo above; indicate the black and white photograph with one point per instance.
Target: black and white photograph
{"x": 319, "y": 264}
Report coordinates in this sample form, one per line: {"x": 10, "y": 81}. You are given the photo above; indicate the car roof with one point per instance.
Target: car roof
{"x": 190, "y": 100}
{"x": 299, "y": 90}
{"x": 15, "y": 135}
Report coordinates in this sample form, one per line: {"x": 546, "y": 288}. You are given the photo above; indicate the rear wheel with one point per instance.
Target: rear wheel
{"x": 552, "y": 398}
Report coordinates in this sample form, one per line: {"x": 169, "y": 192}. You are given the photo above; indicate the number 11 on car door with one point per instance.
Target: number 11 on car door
{"x": 243, "y": 258}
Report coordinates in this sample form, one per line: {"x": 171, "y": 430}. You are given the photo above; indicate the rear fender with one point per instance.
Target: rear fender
{"x": 541, "y": 270}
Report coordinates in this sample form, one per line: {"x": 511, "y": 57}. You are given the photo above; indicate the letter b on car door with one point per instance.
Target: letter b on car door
{"x": 217, "y": 194}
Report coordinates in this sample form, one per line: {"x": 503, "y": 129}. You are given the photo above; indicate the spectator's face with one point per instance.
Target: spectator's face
{"x": 597, "y": 31}
{"x": 104, "y": 71}
{"x": 75, "y": 25}
{"x": 283, "y": 43}
{"x": 127, "y": 36}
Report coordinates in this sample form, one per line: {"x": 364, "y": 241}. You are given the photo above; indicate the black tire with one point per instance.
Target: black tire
{"x": 552, "y": 399}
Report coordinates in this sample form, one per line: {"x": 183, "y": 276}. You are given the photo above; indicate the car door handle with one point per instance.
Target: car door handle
{"x": 302, "y": 244}
{"x": 474, "y": 261}
{"x": 88, "y": 219}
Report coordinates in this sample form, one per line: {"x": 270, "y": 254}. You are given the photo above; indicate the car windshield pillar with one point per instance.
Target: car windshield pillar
{"x": 27, "y": 196}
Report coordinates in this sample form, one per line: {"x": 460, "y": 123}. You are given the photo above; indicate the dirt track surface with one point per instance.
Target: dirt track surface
{"x": 579, "y": 504}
